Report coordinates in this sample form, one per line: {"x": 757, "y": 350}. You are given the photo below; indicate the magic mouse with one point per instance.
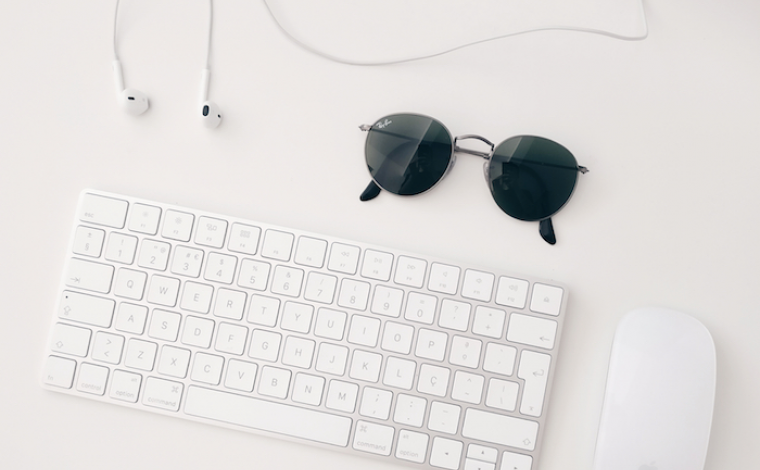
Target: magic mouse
{"x": 658, "y": 403}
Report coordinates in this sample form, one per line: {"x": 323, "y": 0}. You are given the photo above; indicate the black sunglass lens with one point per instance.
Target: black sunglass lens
{"x": 407, "y": 153}
{"x": 531, "y": 178}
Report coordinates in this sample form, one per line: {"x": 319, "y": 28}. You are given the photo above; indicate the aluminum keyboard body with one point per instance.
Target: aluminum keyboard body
{"x": 358, "y": 348}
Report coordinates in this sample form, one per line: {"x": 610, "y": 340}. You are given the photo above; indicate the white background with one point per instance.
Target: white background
{"x": 667, "y": 216}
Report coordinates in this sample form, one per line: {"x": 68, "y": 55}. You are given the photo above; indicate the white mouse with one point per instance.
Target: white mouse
{"x": 658, "y": 404}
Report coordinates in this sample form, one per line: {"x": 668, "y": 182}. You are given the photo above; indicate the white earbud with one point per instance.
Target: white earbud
{"x": 211, "y": 116}
{"x": 132, "y": 101}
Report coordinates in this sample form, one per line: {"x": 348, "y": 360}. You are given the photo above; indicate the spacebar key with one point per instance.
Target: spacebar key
{"x": 268, "y": 416}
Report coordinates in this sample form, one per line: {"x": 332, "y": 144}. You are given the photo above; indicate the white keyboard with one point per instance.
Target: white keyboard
{"x": 363, "y": 349}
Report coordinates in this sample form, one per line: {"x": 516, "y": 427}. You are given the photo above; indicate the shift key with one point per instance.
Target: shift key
{"x": 90, "y": 276}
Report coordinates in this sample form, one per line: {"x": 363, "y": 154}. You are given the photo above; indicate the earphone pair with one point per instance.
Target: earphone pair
{"x": 136, "y": 102}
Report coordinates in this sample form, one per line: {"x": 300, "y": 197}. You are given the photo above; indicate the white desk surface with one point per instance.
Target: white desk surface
{"x": 667, "y": 216}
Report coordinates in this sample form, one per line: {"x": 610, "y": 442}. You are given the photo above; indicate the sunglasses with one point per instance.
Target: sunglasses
{"x": 531, "y": 178}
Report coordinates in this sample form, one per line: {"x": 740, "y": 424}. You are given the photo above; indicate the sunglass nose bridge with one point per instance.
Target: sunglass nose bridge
{"x": 486, "y": 155}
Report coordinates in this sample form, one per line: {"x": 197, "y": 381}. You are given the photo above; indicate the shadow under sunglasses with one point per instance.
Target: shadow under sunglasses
{"x": 530, "y": 178}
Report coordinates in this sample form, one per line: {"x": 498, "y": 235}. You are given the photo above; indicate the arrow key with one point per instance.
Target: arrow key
{"x": 445, "y": 453}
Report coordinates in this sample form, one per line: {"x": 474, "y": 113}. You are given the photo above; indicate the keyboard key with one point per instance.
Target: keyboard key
{"x": 420, "y": 308}
{"x": 332, "y": 359}
{"x": 164, "y": 394}
{"x": 196, "y": 297}
{"x": 376, "y": 403}
{"x": 433, "y": 380}
{"x": 287, "y": 281}
{"x": 311, "y": 252}
{"x": 140, "y": 354}
{"x": 163, "y": 290}
{"x": 443, "y": 278}
{"x": 240, "y": 375}
{"x": 164, "y": 325}
{"x": 144, "y": 218}
{"x": 229, "y": 304}
{"x": 187, "y": 261}
{"x": 130, "y": 284}
{"x": 482, "y": 453}
{"x": 500, "y": 429}
{"x": 198, "y": 332}
{"x": 412, "y": 446}
{"x": 454, "y": 315}
{"x": 211, "y": 232}
{"x": 502, "y": 394}
{"x": 59, "y": 371}
{"x": 477, "y": 285}
{"x": 513, "y": 461}
{"x": 444, "y": 417}
{"x": 500, "y": 359}
{"x": 397, "y": 337}
{"x": 230, "y": 338}
{"x": 125, "y": 386}
{"x": 102, "y": 210}
{"x": 410, "y": 411}
{"x": 253, "y": 274}
{"x": 465, "y": 351}
{"x": 344, "y": 258}
{"x": 88, "y": 241}
{"x": 90, "y": 276}
{"x": 274, "y": 382}
{"x": 377, "y": 265}
{"x": 546, "y": 299}
{"x": 307, "y": 389}
{"x": 365, "y": 366}
{"x": 130, "y": 318}
{"x": 373, "y": 438}
{"x": 410, "y": 271}
{"x": 207, "y": 368}
{"x": 467, "y": 387}
{"x": 121, "y": 248}
{"x": 341, "y": 396}
{"x": 107, "y": 347}
{"x": 177, "y": 225}
{"x": 244, "y": 239}
{"x": 269, "y": 416}
{"x": 431, "y": 344}
{"x": 71, "y": 340}
{"x": 353, "y": 294}
{"x": 154, "y": 255}
{"x": 534, "y": 369}
{"x": 92, "y": 379}
{"x": 265, "y": 345}
{"x": 320, "y": 288}
{"x": 277, "y": 245}
{"x": 387, "y": 301}
{"x": 489, "y": 321}
{"x": 88, "y": 309}
{"x": 174, "y": 362}
{"x": 330, "y": 324}
{"x": 297, "y": 317}
{"x": 220, "y": 268}
{"x": 263, "y": 310}
{"x": 533, "y": 331}
{"x": 446, "y": 453}
{"x": 511, "y": 292}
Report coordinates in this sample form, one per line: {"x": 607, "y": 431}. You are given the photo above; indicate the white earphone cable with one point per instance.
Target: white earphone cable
{"x": 208, "y": 41}
{"x": 341, "y": 60}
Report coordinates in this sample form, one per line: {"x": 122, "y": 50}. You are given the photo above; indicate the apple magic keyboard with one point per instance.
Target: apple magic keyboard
{"x": 425, "y": 362}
